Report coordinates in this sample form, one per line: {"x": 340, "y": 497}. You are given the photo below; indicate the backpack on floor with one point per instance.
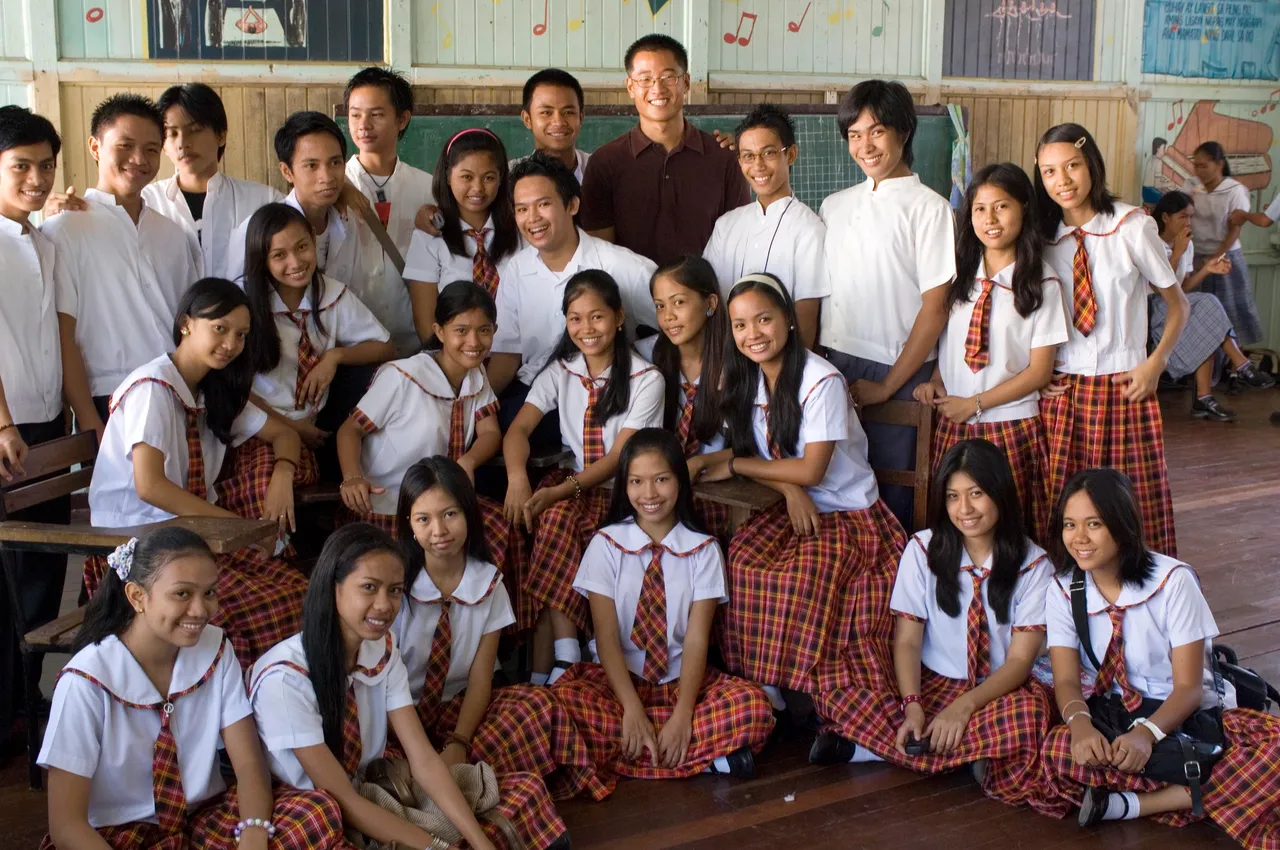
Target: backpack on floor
{"x": 1252, "y": 691}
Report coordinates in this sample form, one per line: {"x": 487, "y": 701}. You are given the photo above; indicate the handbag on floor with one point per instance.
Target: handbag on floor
{"x": 1252, "y": 691}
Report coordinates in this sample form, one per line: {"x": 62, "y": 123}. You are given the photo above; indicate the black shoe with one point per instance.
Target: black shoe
{"x": 561, "y": 843}
{"x": 742, "y": 764}
{"x": 1251, "y": 377}
{"x": 830, "y": 748}
{"x": 1093, "y": 807}
{"x": 1208, "y": 408}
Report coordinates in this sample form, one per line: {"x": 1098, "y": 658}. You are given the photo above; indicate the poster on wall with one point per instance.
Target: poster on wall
{"x": 1174, "y": 130}
{"x": 1224, "y": 40}
{"x": 266, "y": 30}
{"x": 1019, "y": 39}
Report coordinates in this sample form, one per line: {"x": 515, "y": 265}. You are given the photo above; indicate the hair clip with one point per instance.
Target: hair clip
{"x": 121, "y": 560}
{"x": 1081, "y": 141}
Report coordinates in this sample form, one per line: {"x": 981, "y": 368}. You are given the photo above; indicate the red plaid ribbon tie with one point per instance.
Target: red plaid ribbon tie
{"x": 1085, "y": 306}
{"x": 438, "y": 660}
{"x": 979, "y": 638}
{"x": 457, "y": 430}
{"x": 483, "y": 271}
{"x": 977, "y": 353}
{"x": 592, "y": 430}
{"x": 195, "y": 456}
{"x": 308, "y": 357}
{"x": 650, "y": 630}
{"x": 1113, "y": 670}
{"x": 684, "y": 428}
{"x": 352, "y": 745}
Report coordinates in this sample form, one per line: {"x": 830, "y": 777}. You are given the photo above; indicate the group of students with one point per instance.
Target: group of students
{"x": 529, "y": 284}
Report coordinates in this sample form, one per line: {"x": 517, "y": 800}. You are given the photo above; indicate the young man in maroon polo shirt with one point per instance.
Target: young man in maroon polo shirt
{"x": 659, "y": 188}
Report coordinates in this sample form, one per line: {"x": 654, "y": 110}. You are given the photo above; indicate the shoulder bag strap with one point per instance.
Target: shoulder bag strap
{"x": 1080, "y": 613}
{"x": 370, "y": 218}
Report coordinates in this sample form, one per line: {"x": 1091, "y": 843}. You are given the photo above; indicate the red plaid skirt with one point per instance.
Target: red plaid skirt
{"x": 812, "y": 613}
{"x": 259, "y": 599}
{"x": 730, "y": 714}
{"x": 715, "y": 516}
{"x": 563, "y": 532}
{"x": 1093, "y": 425}
{"x": 1241, "y": 794}
{"x": 526, "y": 730}
{"x": 244, "y": 491}
{"x": 524, "y": 800}
{"x": 1007, "y": 732}
{"x": 1024, "y": 445}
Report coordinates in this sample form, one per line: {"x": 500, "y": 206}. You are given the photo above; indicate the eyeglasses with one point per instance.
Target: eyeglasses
{"x": 666, "y": 81}
{"x": 750, "y": 158}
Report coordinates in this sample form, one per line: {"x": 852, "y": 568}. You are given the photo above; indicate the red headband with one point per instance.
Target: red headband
{"x": 460, "y": 133}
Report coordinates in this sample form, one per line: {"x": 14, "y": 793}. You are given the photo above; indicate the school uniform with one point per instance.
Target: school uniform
{"x": 107, "y": 719}
{"x": 784, "y": 239}
{"x": 986, "y": 342}
{"x": 886, "y": 245}
{"x": 258, "y": 597}
{"x": 579, "y": 168}
{"x": 653, "y": 588}
{"x": 565, "y": 528}
{"x": 800, "y": 605}
{"x": 1207, "y": 325}
{"x": 1134, "y": 638}
{"x": 227, "y": 202}
{"x": 288, "y": 716}
{"x": 430, "y": 261}
{"x": 1092, "y": 424}
{"x": 523, "y": 728}
{"x": 958, "y": 653}
{"x": 1208, "y": 228}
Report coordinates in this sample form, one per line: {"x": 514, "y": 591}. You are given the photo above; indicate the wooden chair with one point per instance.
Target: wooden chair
{"x": 920, "y": 417}
{"x": 48, "y": 475}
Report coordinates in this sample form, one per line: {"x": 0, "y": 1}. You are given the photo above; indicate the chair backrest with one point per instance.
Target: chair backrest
{"x": 47, "y": 472}
{"x": 920, "y": 417}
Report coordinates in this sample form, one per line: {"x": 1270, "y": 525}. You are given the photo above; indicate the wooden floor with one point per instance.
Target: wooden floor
{"x": 1226, "y": 489}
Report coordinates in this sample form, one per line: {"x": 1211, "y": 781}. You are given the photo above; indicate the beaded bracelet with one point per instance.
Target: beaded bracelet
{"x": 909, "y": 700}
{"x": 577, "y": 488}
{"x": 455, "y": 738}
{"x": 260, "y": 823}
{"x": 4, "y": 428}
{"x": 292, "y": 463}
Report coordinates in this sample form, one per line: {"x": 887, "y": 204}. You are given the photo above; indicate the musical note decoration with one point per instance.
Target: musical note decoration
{"x": 94, "y": 15}
{"x": 834, "y": 17}
{"x": 446, "y": 41}
{"x": 742, "y": 40}
{"x": 575, "y": 24}
{"x": 541, "y": 28}
{"x": 878, "y": 29}
{"x": 1270, "y": 105}
{"x": 656, "y": 6}
{"x": 794, "y": 26}
{"x": 1175, "y": 114}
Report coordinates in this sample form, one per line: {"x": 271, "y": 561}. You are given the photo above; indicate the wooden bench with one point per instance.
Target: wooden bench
{"x": 920, "y": 417}
{"x": 742, "y": 495}
{"x": 48, "y": 475}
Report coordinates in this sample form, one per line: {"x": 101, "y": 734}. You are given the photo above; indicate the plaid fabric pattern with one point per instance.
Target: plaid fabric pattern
{"x": 979, "y": 639}
{"x": 650, "y": 630}
{"x": 439, "y": 656}
{"x": 457, "y": 429}
{"x": 195, "y": 456}
{"x": 483, "y": 271}
{"x": 730, "y": 713}
{"x": 134, "y": 836}
{"x": 383, "y": 522}
{"x": 1027, "y": 451}
{"x": 308, "y": 357}
{"x": 244, "y": 491}
{"x": 1206, "y": 330}
{"x": 716, "y": 518}
{"x": 977, "y": 352}
{"x": 684, "y": 427}
{"x": 1114, "y": 671}
{"x": 352, "y": 746}
{"x": 812, "y": 613}
{"x": 1084, "y": 313}
{"x": 564, "y": 530}
{"x": 592, "y": 431}
{"x": 1092, "y": 424}
{"x": 1007, "y": 731}
{"x": 367, "y": 425}
{"x": 524, "y": 800}
{"x": 1235, "y": 292}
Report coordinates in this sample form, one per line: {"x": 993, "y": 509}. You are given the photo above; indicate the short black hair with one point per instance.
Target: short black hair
{"x": 552, "y": 77}
{"x": 20, "y": 127}
{"x": 301, "y": 124}
{"x": 542, "y": 164}
{"x": 1170, "y": 203}
{"x": 118, "y": 105}
{"x": 1216, "y": 152}
{"x": 394, "y": 84}
{"x": 1113, "y": 497}
{"x": 200, "y": 102}
{"x": 771, "y": 117}
{"x": 1156, "y": 144}
{"x": 890, "y": 103}
{"x": 653, "y": 43}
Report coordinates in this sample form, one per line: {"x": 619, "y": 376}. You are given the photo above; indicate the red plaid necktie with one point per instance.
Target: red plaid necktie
{"x": 352, "y": 746}
{"x": 195, "y": 456}
{"x": 592, "y": 431}
{"x": 457, "y": 430}
{"x": 979, "y": 638}
{"x": 308, "y": 357}
{"x": 1113, "y": 670}
{"x": 650, "y": 630}
{"x": 684, "y": 428}
{"x": 483, "y": 271}
{"x": 438, "y": 659}
{"x": 1084, "y": 304}
{"x": 976, "y": 351}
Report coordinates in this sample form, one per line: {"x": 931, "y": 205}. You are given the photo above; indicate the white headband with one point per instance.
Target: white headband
{"x": 767, "y": 280}
{"x": 121, "y": 560}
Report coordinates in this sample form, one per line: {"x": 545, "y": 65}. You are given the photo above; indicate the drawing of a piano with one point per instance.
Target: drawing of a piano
{"x": 1247, "y": 143}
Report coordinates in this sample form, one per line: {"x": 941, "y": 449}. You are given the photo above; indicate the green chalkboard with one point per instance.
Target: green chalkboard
{"x": 824, "y": 165}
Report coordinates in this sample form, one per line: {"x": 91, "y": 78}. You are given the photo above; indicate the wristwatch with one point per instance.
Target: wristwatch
{"x": 1156, "y": 732}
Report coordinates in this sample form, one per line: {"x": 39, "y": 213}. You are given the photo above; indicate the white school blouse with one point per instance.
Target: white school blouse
{"x": 692, "y": 570}
{"x": 1125, "y": 254}
{"x": 1185, "y": 265}
{"x": 30, "y": 353}
{"x": 1209, "y": 220}
{"x": 406, "y": 416}
{"x": 121, "y": 282}
{"x": 430, "y": 261}
{"x": 346, "y": 321}
{"x": 886, "y": 245}
{"x": 946, "y": 639}
{"x": 826, "y": 415}
{"x": 785, "y": 240}
{"x": 144, "y": 409}
{"x": 645, "y": 349}
{"x": 228, "y": 202}
{"x": 1010, "y": 338}
{"x": 559, "y": 386}
{"x": 288, "y": 715}
{"x": 530, "y": 318}
{"x": 1168, "y": 610}
{"x": 94, "y": 736}
{"x": 578, "y": 170}
{"x": 480, "y": 606}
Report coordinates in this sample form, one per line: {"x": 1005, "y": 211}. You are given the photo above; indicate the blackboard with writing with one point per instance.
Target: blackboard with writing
{"x": 1019, "y": 39}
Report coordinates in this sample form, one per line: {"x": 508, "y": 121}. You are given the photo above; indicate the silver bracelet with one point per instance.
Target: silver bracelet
{"x": 978, "y": 401}
{"x": 438, "y": 843}
{"x": 1077, "y": 714}
{"x": 250, "y": 823}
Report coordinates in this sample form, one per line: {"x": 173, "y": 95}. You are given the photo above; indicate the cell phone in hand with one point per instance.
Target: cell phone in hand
{"x": 437, "y": 220}
{"x": 916, "y": 746}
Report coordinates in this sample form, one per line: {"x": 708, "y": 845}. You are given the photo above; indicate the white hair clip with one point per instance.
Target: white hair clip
{"x": 121, "y": 560}
{"x": 1080, "y": 142}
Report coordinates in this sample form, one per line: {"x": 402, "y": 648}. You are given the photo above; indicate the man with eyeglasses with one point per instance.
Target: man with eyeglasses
{"x": 659, "y": 188}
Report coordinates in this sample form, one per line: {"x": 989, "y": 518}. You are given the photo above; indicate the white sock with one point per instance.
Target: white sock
{"x": 721, "y": 764}
{"x": 556, "y": 673}
{"x": 775, "y": 697}
{"x": 568, "y": 649}
{"x": 862, "y": 755}
{"x": 539, "y": 678}
{"x": 1116, "y": 804}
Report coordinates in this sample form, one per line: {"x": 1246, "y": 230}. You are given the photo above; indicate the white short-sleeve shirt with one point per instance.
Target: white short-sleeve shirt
{"x": 1125, "y": 254}
{"x": 579, "y": 169}
{"x": 480, "y": 606}
{"x": 228, "y": 202}
{"x": 347, "y": 321}
{"x": 1273, "y": 208}
{"x": 1010, "y": 339}
{"x": 1209, "y": 221}
{"x": 121, "y": 282}
{"x": 530, "y": 318}
{"x": 559, "y": 386}
{"x": 430, "y": 261}
{"x": 886, "y": 245}
{"x": 406, "y": 416}
{"x": 1168, "y": 610}
{"x": 946, "y": 639}
{"x": 407, "y": 190}
{"x": 826, "y": 415}
{"x": 1185, "y": 265}
{"x": 288, "y": 714}
{"x": 91, "y": 734}
{"x": 150, "y": 407}
{"x": 785, "y": 240}
{"x": 614, "y": 566}
{"x": 30, "y": 353}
